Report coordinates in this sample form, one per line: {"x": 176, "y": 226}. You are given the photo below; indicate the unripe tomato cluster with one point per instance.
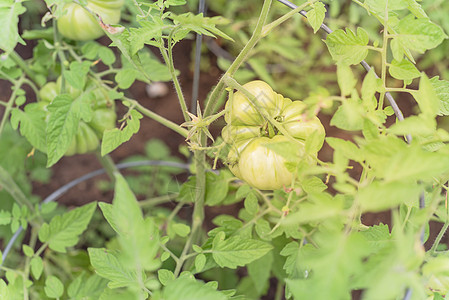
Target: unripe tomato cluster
{"x": 249, "y": 133}
{"x": 88, "y": 136}
{"x": 79, "y": 24}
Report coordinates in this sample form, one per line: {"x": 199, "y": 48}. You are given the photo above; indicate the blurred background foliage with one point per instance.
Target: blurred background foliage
{"x": 294, "y": 60}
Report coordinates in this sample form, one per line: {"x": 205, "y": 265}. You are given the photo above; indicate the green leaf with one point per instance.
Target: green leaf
{"x": 4, "y": 291}
{"x": 237, "y": 251}
{"x": 119, "y": 294}
{"x": 32, "y": 124}
{"x": 441, "y": 88}
{"x": 165, "y": 276}
{"x": 76, "y": 77}
{"x": 200, "y": 262}
{"x": 106, "y": 55}
{"x": 416, "y": 9}
{"x": 380, "y": 196}
{"x": 260, "y": 271}
{"x": 378, "y": 237}
{"x": 191, "y": 289}
{"x": 427, "y": 98}
{"x": 5, "y": 217}
{"x": 380, "y": 6}
{"x": 318, "y": 207}
{"x": 217, "y": 187}
{"x": 168, "y": 3}
{"x": 86, "y": 287}
{"x": 251, "y": 204}
{"x": 349, "y": 116}
{"x": 346, "y": 80}
{"x": 419, "y": 34}
{"x": 188, "y": 190}
{"x": 148, "y": 33}
{"x": 139, "y": 238}
{"x": 348, "y": 47}
{"x": 112, "y": 138}
{"x": 403, "y": 70}
{"x": 53, "y": 287}
{"x": 37, "y": 266}
{"x": 291, "y": 251}
{"x": 181, "y": 229}
{"x": 415, "y": 125}
{"x": 107, "y": 265}
{"x": 199, "y": 24}
{"x": 414, "y": 163}
{"x": 313, "y": 185}
{"x": 64, "y": 230}
{"x": 316, "y": 15}
{"x": 126, "y": 77}
{"x": 64, "y": 116}
{"x": 107, "y": 211}
{"x": 346, "y": 148}
{"x": 242, "y": 191}
{"x": 9, "y": 17}
{"x": 120, "y": 40}
{"x": 371, "y": 84}
{"x": 331, "y": 267}
{"x": 155, "y": 70}
{"x": 165, "y": 256}
{"x": 27, "y": 250}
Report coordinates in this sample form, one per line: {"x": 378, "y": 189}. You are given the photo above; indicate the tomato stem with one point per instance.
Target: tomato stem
{"x": 23, "y": 65}
{"x": 243, "y": 55}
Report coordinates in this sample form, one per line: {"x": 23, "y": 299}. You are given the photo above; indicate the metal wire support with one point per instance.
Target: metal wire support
{"x": 62, "y": 190}
{"x": 196, "y": 71}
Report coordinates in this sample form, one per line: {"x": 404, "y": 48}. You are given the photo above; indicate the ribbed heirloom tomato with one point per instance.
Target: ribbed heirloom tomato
{"x": 88, "y": 136}
{"x": 78, "y": 24}
{"x": 250, "y": 135}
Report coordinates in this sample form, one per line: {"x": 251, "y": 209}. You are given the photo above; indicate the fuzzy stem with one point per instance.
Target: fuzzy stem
{"x": 23, "y": 65}
{"x": 11, "y": 101}
{"x": 244, "y": 54}
{"x": 169, "y": 124}
{"x": 267, "y": 28}
{"x": 168, "y": 59}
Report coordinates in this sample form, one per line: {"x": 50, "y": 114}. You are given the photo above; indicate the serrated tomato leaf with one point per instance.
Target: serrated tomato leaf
{"x": 63, "y": 230}
{"x": 112, "y": 138}
{"x": 237, "y": 251}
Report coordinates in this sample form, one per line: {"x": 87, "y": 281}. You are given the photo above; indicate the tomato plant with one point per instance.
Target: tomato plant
{"x": 261, "y": 202}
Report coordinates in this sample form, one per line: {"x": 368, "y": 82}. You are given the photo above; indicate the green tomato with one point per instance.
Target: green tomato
{"x": 102, "y": 119}
{"x": 232, "y": 134}
{"x": 48, "y": 92}
{"x": 248, "y": 129}
{"x": 300, "y": 125}
{"x": 260, "y": 166}
{"x": 241, "y": 111}
{"x": 78, "y": 24}
{"x": 84, "y": 141}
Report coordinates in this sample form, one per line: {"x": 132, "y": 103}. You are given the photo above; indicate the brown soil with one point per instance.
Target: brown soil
{"x": 70, "y": 168}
